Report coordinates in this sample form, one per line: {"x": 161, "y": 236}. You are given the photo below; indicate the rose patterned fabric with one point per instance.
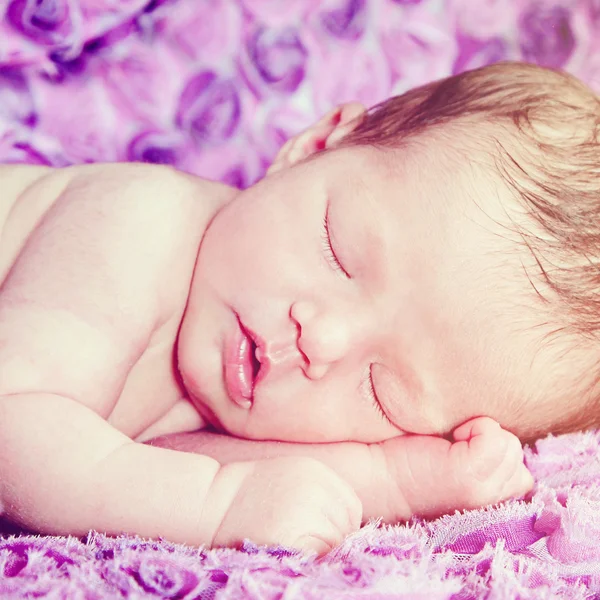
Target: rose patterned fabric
{"x": 215, "y": 87}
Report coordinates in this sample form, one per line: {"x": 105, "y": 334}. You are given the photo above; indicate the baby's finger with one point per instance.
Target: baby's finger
{"x": 347, "y": 511}
{"x": 514, "y": 473}
{"x": 473, "y": 428}
{"x": 312, "y": 543}
{"x": 522, "y": 483}
{"x": 326, "y": 532}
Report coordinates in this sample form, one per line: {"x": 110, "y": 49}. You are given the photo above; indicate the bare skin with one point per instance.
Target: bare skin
{"x": 407, "y": 475}
{"x": 95, "y": 283}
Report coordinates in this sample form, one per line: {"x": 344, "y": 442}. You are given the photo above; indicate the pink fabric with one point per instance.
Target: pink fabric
{"x": 215, "y": 87}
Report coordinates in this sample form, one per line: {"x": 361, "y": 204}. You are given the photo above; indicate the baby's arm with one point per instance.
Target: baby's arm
{"x": 401, "y": 477}
{"x": 66, "y": 471}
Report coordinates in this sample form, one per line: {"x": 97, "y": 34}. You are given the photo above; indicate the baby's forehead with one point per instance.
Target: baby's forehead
{"x": 427, "y": 193}
{"x": 430, "y": 179}
{"x": 438, "y": 171}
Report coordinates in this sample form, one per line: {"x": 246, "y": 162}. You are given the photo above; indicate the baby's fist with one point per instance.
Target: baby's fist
{"x": 487, "y": 463}
{"x": 296, "y": 502}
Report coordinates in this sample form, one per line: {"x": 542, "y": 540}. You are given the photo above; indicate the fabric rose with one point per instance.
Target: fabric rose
{"x": 16, "y": 103}
{"x": 243, "y": 167}
{"x": 545, "y": 34}
{"x": 55, "y": 23}
{"x": 211, "y": 34}
{"x": 416, "y": 45}
{"x": 22, "y": 153}
{"x": 209, "y": 108}
{"x": 235, "y": 177}
{"x": 564, "y": 539}
{"x": 490, "y": 19}
{"x": 275, "y": 13}
{"x": 25, "y": 145}
{"x": 228, "y": 165}
{"x": 162, "y": 148}
{"x": 84, "y": 132}
{"x": 274, "y": 60}
{"x": 368, "y": 82}
{"x": 16, "y": 147}
{"x": 347, "y": 21}
{"x": 592, "y": 9}
{"x": 137, "y": 84}
{"x": 111, "y": 12}
{"x": 166, "y": 578}
{"x": 474, "y": 53}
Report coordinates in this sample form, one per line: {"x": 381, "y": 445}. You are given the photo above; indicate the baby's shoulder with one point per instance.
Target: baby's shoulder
{"x": 100, "y": 258}
{"x": 121, "y": 231}
{"x": 132, "y": 210}
{"x": 145, "y": 194}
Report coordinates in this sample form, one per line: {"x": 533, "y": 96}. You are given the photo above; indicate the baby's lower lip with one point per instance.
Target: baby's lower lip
{"x": 239, "y": 368}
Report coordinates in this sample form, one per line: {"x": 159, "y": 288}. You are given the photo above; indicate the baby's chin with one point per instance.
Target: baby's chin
{"x": 259, "y": 430}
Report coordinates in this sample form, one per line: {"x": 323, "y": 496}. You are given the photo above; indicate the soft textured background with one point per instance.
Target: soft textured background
{"x": 215, "y": 87}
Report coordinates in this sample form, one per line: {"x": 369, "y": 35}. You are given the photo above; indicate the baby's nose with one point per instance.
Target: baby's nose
{"x": 323, "y": 337}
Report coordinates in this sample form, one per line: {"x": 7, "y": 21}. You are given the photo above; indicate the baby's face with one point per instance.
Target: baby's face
{"x": 356, "y": 297}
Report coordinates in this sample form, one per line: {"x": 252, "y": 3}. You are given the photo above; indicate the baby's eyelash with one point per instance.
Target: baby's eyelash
{"x": 328, "y": 250}
{"x": 368, "y": 384}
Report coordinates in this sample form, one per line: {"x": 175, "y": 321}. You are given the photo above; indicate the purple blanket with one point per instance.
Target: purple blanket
{"x": 215, "y": 87}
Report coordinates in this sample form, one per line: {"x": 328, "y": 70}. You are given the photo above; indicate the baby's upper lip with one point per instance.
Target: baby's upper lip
{"x": 281, "y": 354}
{"x": 256, "y": 339}
{"x": 259, "y": 354}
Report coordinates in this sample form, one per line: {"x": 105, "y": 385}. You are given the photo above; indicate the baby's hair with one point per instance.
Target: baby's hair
{"x": 541, "y": 129}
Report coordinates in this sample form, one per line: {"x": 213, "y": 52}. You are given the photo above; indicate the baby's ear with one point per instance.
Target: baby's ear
{"x": 325, "y": 133}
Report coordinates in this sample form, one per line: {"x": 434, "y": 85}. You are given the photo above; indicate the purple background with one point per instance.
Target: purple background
{"x": 215, "y": 87}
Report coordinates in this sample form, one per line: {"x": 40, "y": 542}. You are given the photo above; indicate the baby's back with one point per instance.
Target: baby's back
{"x": 23, "y": 201}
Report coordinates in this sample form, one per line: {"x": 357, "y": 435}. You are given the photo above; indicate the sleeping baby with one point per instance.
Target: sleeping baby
{"x": 366, "y": 332}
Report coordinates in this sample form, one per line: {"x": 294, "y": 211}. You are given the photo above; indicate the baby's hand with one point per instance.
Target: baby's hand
{"x": 487, "y": 463}
{"x": 296, "y": 502}
{"x": 429, "y": 476}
